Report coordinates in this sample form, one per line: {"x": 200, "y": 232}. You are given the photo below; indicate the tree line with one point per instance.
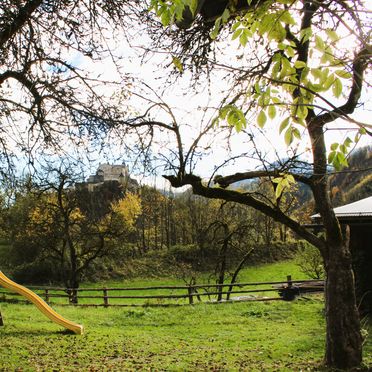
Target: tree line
{"x": 55, "y": 229}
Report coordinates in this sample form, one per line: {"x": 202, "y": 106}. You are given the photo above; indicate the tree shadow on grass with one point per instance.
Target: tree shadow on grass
{"x": 35, "y": 332}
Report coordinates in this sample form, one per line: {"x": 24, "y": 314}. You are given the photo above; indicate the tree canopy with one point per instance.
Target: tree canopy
{"x": 48, "y": 102}
{"x": 299, "y": 67}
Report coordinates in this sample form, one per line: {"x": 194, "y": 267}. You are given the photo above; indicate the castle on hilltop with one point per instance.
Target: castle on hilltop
{"x": 111, "y": 173}
{"x": 108, "y": 172}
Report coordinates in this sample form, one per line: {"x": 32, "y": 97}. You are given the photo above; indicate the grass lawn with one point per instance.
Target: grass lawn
{"x": 280, "y": 336}
{"x": 254, "y": 336}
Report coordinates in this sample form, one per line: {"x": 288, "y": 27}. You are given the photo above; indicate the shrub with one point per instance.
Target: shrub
{"x": 310, "y": 261}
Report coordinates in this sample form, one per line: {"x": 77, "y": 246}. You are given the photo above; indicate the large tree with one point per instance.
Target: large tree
{"x": 48, "y": 103}
{"x": 52, "y": 221}
{"x": 302, "y": 65}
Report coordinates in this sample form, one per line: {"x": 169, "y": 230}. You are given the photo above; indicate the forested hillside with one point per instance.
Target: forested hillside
{"x": 355, "y": 181}
{"x": 70, "y": 234}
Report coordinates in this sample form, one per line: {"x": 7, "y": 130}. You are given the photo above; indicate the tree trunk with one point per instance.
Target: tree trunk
{"x": 222, "y": 270}
{"x": 343, "y": 340}
{"x": 74, "y": 284}
{"x": 237, "y": 271}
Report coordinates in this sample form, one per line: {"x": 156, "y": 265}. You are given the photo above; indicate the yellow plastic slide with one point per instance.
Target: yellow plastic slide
{"x": 40, "y": 304}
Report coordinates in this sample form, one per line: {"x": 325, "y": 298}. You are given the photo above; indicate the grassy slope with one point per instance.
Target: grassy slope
{"x": 250, "y": 336}
{"x": 267, "y": 272}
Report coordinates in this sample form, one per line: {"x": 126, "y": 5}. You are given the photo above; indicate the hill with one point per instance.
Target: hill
{"x": 355, "y": 181}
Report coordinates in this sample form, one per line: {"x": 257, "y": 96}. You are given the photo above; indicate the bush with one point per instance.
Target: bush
{"x": 200, "y": 259}
{"x": 276, "y": 251}
{"x": 37, "y": 273}
{"x": 310, "y": 262}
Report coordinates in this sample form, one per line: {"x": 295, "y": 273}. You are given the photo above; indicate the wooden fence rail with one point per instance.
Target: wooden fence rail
{"x": 106, "y": 297}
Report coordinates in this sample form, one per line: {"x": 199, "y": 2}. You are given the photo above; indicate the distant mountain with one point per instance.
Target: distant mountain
{"x": 355, "y": 181}
{"x": 350, "y": 184}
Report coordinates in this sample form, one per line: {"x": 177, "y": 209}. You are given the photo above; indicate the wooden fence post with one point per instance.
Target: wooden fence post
{"x": 46, "y": 294}
{"x": 105, "y": 298}
{"x": 289, "y": 281}
{"x": 191, "y": 298}
{"x": 72, "y": 296}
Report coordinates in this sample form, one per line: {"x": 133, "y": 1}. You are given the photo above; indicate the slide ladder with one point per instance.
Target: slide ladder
{"x": 40, "y": 304}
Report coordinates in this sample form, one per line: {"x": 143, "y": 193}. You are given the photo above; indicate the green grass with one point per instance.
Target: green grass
{"x": 271, "y": 272}
{"x": 229, "y": 336}
{"x": 251, "y": 336}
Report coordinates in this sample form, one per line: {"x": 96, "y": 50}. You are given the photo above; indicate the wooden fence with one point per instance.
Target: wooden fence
{"x": 172, "y": 295}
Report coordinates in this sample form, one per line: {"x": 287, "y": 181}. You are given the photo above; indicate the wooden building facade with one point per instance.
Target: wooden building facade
{"x": 358, "y": 216}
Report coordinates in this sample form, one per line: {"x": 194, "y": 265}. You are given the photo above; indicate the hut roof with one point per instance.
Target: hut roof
{"x": 361, "y": 208}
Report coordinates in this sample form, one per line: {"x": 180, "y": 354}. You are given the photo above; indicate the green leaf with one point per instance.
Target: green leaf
{"x": 328, "y": 82}
{"x": 237, "y": 33}
{"x": 343, "y": 74}
{"x": 224, "y": 111}
{"x": 261, "y": 119}
{"x": 337, "y": 159}
{"x": 266, "y": 23}
{"x": 302, "y": 112}
{"x": 300, "y": 64}
{"x": 287, "y": 18}
{"x": 216, "y": 28}
{"x": 290, "y": 51}
{"x": 362, "y": 131}
{"x": 317, "y": 73}
{"x": 348, "y": 142}
{"x": 279, "y": 33}
{"x": 296, "y": 133}
{"x": 284, "y": 124}
{"x": 276, "y": 100}
{"x": 331, "y": 157}
{"x": 271, "y": 111}
{"x": 334, "y": 146}
{"x": 319, "y": 43}
{"x": 328, "y": 57}
{"x": 243, "y": 39}
{"x": 337, "y": 87}
{"x": 177, "y": 63}
{"x": 288, "y": 136}
{"x": 225, "y": 15}
{"x": 234, "y": 117}
{"x": 277, "y": 179}
{"x": 165, "y": 17}
{"x": 343, "y": 149}
{"x": 342, "y": 159}
{"x": 283, "y": 182}
{"x": 278, "y": 190}
{"x": 332, "y": 35}
{"x": 306, "y": 34}
{"x": 290, "y": 178}
{"x": 235, "y": 26}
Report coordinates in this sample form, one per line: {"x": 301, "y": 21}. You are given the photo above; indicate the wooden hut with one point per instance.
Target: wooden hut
{"x": 358, "y": 216}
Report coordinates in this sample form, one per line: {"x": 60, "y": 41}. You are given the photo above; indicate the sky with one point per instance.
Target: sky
{"x": 189, "y": 109}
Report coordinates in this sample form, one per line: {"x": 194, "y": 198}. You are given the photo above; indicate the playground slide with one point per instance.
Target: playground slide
{"x": 40, "y": 304}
